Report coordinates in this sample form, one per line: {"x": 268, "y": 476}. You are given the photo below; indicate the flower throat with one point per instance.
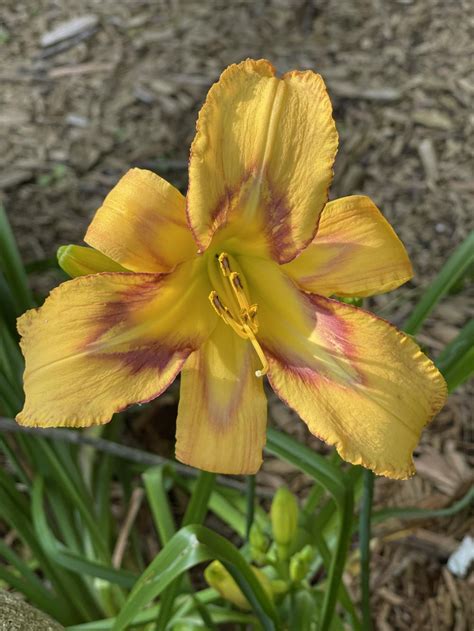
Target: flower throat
{"x": 231, "y": 303}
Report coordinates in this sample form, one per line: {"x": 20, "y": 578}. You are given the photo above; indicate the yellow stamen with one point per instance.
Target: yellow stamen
{"x": 226, "y": 315}
{"x": 258, "y": 349}
{"x": 224, "y": 264}
{"x": 238, "y": 290}
{"x": 246, "y": 323}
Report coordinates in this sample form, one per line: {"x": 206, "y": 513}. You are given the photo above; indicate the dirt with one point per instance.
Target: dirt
{"x": 124, "y": 91}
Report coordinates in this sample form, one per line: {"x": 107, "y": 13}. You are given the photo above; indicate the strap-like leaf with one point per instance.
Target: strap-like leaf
{"x": 452, "y": 271}
{"x": 189, "y": 547}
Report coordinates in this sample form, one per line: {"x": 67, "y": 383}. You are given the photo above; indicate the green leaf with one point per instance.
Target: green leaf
{"x": 304, "y": 459}
{"x": 64, "y": 474}
{"x": 12, "y": 364}
{"x": 198, "y": 504}
{"x": 456, "y": 361}
{"x": 196, "y": 511}
{"x": 189, "y": 547}
{"x": 8, "y": 308}
{"x": 12, "y": 267}
{"x": 235, "y": 503}
{"x": 77, "y": 563}
{"x": 185, "y": 605}
{"x": 422, "y": 513}
{"x": 221, "y": 505}
{"x": 15, "y": 511}
{"x": 28, "y": 583}
{"x": 45, "y": 602}
{"x": 452, "y": 271}
{"x": 228, "y": 513}
{"x": 154, "y": 480}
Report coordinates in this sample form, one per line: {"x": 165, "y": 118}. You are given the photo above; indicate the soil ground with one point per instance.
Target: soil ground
{"x": 124, "y": 91}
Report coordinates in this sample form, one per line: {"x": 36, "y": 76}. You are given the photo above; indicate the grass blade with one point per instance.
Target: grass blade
{"x": 12, "y": 267}
{"x": 312, "y": 463}
{"x": 154, "y": 480}
{"x": 423, "y": 513}
{"x": 77, "y": 563}
{"x": 198, "y": 504}
{"x": 456, "y": 361}
{"x": 452, "y": 271}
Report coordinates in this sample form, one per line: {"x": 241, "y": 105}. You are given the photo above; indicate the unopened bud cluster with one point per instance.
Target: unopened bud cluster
{"x": 277, "y": 547}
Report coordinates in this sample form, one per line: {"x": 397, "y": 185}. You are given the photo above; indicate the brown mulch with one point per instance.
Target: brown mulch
{"x": 124, "y": 90}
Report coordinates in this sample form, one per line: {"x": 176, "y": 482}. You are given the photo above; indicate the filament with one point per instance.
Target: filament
{"x": 245, "y": 323}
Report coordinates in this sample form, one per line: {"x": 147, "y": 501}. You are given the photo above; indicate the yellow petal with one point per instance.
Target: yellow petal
{"x": 222, "y": 411}
{"x": 262, "y": 157}
{"x": 355, "y": 252}
{"x": 142, "y": 224}
{"x": 77, "y": 260}
{"x": 358, "y": 382}
{"x": 102, "y": 342}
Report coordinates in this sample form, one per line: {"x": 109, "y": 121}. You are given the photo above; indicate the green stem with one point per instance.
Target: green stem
{"x": 364, "y": 546}
{"x": 340, "y": 487}
{"x": 336, "y": 570}
{"x": 250, "y": 495}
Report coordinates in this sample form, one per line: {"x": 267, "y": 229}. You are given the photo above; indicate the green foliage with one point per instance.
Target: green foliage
{"x": 454, "y": 270}
{"x": 286, "y": 562}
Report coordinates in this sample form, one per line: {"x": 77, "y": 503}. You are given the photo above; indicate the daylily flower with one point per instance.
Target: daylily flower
{"x": 233, "y": 283}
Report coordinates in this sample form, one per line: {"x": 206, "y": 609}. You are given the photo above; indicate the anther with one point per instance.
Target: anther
{"x": 223, "y": 312}
{"x": 235, "y": 278}
{"x": 216, "y": 303}
{"x": 224, "y": 264}
{"x": 238, "y": 290}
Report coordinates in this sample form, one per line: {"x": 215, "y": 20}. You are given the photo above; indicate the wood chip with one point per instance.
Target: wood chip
{"x": 390, "y": 597}
{"x": 70, "y": 28}
{"x": 351, "y": 91}
{"x": 428, "y": 159}
{"x": 452, "y": 588}
{"x": 433, "y": 118}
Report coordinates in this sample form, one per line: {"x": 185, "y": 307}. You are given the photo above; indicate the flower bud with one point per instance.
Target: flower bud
{"x": 279, "y": 588}
{"x": 284, "y": 517}
{"x": 300, "y": 563}
{"x": 77, "y": 260}
{"x": 259, "y": 543}
{"x": 219, "y": 578}
{"x": 257, "y": 538}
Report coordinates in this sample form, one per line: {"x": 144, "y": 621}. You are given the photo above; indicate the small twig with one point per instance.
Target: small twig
{"x": 122, "y": 539}
{"x": 79, "y": 69}
{"x": 119, "y": 451}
